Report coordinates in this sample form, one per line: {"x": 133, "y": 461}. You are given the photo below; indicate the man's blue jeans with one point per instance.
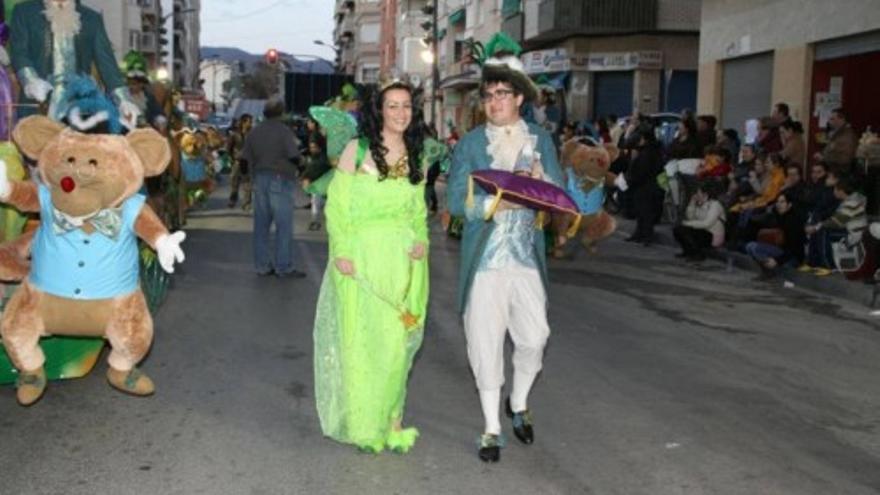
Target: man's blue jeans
{"x": 273, "y": 203}
{"x": 761, "y": 252}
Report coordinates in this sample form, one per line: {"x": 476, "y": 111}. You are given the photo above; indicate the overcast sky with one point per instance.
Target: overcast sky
{"x": 257, "y": 25}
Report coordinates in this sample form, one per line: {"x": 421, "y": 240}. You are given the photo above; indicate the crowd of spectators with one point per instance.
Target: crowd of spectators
{"x": 761, "y": 195}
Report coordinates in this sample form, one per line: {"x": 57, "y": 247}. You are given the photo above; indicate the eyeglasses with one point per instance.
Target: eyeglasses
{"x": 497, "y": 95}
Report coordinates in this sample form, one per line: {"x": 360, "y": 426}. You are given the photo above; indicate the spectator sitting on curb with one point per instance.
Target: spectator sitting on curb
{"x": 819, "y": 199}
{"x": 794, "y": 187}
{"x": 784, "y": 246}
{"x": 716, "y": 165}
{"x": 848, "y": 222}
{"x": 741, "y": 213}
{"x": 703, "y": 226}
{"x": 739, "y": 177}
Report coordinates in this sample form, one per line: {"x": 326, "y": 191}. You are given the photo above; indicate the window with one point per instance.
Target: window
{"x": 369, "y": 33}
{"x": 369, "y": 74}
{"x": 134, "y": 40}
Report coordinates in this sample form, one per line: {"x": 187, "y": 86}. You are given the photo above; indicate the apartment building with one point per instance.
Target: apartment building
{"x": 357, "y": 36}
{"x": 610, "y": 56}
{"x": 123, "y": 22}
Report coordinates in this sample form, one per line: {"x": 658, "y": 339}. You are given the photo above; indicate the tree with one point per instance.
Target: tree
{"x": 260, "y": 84}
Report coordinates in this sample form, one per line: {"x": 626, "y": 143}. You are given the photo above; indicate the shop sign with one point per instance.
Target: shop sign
{"x": 625, "y": 61}
{"x": 541, "y": 61}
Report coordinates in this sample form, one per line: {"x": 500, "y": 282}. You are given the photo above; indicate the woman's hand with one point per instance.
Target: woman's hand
{"x": 418, "y": 251}
{"x": 305, "y": 183}
{"x": 345, "y": 266}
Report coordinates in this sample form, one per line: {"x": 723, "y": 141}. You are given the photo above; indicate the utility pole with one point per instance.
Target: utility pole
{"x": 435, "y": 68}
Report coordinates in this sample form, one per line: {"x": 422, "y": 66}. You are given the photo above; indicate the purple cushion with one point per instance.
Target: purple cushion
{"x": 526, "y": 191}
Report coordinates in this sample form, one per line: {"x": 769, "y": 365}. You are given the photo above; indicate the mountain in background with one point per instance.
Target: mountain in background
{"x": 232, "y": 55}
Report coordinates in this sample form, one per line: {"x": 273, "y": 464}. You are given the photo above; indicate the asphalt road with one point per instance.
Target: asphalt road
{"x": 660, "y": 378}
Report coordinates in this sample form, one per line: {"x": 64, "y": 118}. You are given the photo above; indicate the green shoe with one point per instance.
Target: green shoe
{"x": 401, "y": 441}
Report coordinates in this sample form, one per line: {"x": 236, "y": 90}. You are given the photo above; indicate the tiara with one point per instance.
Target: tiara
{"x": 393, "y": 78}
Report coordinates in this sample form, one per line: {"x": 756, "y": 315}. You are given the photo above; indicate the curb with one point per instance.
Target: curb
{"x": 835, "y": 285}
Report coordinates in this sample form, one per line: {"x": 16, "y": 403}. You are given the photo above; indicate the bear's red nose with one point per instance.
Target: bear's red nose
{"x": 67, "y": 184}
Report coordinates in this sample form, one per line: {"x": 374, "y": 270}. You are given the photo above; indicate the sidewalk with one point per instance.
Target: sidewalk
{"x": 833, "y": 285}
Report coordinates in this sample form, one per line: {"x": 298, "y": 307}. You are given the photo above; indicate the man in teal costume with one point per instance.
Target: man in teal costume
{"x": 503, "y": 278}
{"x": 53, "y": 40}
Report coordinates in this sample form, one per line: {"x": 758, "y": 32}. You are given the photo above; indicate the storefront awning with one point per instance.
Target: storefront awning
{"x": 457, "y": 17}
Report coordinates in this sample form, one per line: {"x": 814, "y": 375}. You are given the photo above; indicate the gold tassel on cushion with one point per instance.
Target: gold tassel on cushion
{"x": 573, "y": 229}
{"x": 540, "y": 218}
{"x": 469, "y": 201}
{"x": 494, "y": 205}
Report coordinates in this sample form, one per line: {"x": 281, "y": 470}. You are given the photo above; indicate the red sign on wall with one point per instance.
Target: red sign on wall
{"x": 197, "y": 105}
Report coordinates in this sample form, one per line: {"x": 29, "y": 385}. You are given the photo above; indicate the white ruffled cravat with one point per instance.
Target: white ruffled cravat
{"x": 505, "y": 143}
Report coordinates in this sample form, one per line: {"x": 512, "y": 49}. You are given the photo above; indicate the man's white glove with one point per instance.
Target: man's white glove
{"x": 620, "y": 182}
{"x": 168, "y": 250}
{"x": 5, "y": 186}
{"x": 38, "y": 89}
{"x": 129, "y": 113}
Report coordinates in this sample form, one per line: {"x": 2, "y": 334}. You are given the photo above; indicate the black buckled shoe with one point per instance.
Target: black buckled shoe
{"x": 490, "y": 447}
{"x": 522, "y": 424}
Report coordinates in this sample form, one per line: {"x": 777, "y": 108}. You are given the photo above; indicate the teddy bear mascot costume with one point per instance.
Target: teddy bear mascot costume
{"x": 587, "y": 176}
{"x": 83, "y": 279}
{"x": 503, "y": 282}
{"x": 55, "y": 40}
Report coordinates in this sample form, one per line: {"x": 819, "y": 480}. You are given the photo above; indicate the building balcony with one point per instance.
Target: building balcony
{"x": 563, "y": 18}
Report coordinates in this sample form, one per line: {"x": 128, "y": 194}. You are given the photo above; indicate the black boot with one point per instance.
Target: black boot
{"x": 522, "y": 424}
{"x": 490, "y": 448}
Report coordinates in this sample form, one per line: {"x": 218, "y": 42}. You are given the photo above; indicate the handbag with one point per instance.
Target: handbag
{"x": 847, "y": 257}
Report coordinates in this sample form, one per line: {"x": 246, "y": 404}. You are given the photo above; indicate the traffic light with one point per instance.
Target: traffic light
{"x": 272, "y": 56}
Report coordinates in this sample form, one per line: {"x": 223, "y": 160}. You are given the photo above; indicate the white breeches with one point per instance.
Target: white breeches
{"x": 500, "y": 301}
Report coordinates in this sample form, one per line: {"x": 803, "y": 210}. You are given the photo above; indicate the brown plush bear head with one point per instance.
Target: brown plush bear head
{"x": 590, "y": 163}
{"x": 90, "y": 172}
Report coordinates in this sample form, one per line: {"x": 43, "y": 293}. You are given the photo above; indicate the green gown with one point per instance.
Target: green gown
{"x": 369, "y": 327}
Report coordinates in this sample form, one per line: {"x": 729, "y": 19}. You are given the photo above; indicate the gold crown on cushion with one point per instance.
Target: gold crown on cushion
{"x": 393, "y": 77}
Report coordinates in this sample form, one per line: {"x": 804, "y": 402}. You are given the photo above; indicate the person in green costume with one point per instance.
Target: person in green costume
{"x": 373, "y": 300}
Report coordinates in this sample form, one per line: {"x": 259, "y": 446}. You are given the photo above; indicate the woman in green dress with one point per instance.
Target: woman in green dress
{"x": 371, "y": 309}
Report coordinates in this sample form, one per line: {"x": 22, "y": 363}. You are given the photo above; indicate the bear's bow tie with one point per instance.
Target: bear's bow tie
{"x": 107, "y": 222}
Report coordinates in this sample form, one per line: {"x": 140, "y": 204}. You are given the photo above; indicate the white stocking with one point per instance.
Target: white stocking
{"x": 491, "y": 400}
{"x": 522, "y": 384}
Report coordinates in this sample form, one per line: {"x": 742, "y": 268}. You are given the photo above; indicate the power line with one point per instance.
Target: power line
{"x": 253, "y": 13}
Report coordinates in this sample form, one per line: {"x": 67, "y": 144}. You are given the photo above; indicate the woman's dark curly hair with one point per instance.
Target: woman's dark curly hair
{"x": 371, "y": 125}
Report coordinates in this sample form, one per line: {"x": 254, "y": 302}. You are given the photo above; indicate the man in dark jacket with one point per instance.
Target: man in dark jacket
{"x": 641, "y": 179}
{"x": 840, "y": 151}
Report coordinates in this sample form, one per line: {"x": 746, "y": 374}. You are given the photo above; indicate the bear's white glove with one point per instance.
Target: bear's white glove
{"x": 168, "y": 250}
{"x": 38, "y": 89}
{"x": 5, "y": 186}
